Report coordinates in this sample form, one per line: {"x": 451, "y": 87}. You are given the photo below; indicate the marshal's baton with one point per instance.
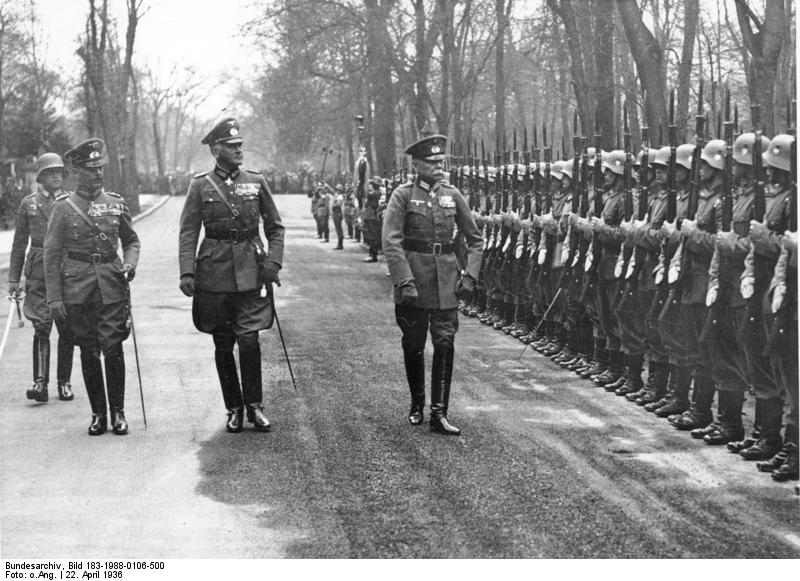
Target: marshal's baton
{"x": 136, "y": 351}
{"x": 280, "y": 333}
{"x": 547, "y": 312}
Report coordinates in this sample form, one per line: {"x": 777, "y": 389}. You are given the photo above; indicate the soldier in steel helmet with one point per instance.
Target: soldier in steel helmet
{"x": 31, "y": 226}
{"x": 418, "y": 232}
{"x": 87, "y": 282}
{"x": 230, "y": 275}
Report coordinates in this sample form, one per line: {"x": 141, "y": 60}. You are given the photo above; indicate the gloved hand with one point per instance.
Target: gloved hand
{"x": 597, "y": 223}
{"x": 271, "y": 272}
{"x": 668, "y": 228}
{"x": 408, "y": 295}
{"x": 465, "y": 287}
{"x": 58, "y": 310}
{"x": 14, "y": 288}
{"x": 187, "y": 285}
{"x": 129, "y": 271}
{"x": 687, "y": 227}
{"x": 726, "y": 242}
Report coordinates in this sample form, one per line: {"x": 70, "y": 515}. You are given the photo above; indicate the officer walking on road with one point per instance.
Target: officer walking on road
{"x": 87, "y": 283}
{"x": 32, "y": 224}
{"x": 418, "y": 231}
{"x": 231, "y": 271}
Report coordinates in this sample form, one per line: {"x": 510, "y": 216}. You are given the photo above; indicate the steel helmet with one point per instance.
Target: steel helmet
{"x": 684, "y": 154}
{"x": 743, "y": 147}
{"x": 591, "y": 156}
{"x": 662, "y": 157}
{"x": 568, "y": 167}
{"x": 615, "y": 162}
{"x": 557, "y": 169}
{"x": 714, "y": 154}
{"x": 779, "y": 152}
{"x": 49, "y": 161}
{"x": 651, "y": 155}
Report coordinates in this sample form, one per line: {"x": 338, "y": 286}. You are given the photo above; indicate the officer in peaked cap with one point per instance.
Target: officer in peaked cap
{"x": 369, "y": 217}
{"x": 230, "y": 276}
{"x": 32, "y": 225}
{"x": 87, "y": 282}
{"x": 418, "y": 230}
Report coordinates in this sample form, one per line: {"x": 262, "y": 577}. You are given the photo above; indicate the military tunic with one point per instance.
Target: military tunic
{"x": 82, "y": 267}
{"x": 227, "y": 261}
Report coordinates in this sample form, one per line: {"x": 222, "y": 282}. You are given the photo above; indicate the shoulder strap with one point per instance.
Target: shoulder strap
{"x": 222, "y": 197}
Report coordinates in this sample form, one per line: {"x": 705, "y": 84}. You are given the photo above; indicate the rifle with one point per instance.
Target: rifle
{"x": 595, "y": 249}
{"x": 759, "y": 201}
{"x": 625, "y": 252}
{"x": 573, "y": 239}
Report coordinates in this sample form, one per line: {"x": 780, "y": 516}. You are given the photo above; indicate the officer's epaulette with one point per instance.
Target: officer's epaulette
{"x": 63, "y": 196}
{"x": 31, "y": 195}
{"x": 255, "y": 171}
{"x": 113, "y": 195}
{"x": 202, "y": 174}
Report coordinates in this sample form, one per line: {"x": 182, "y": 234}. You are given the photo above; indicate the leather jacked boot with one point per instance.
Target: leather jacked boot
{"x": 65, "y": 392}
{"x": 615, "y": 369}
{"x": 699, "y": 414}
{"x": 92, "y": 372}
{"x": 656, "y": 384}
{"x": 119, "y": 424}
{"x": 234, "y": 423}
{"x": 415, "y": 374}
{"x": 789, "y": 469}
{"x": 679, "y": 384}
{"x": 624, "y": 377}
{"x": 770, "y": 415}
{"x": 700, "y": 433}
{"x": 255, "y": 415}
{"x": 748, "y": 442}
{"x": 777, "y": 460}
{"x": 250, "y": 366}
{"x": 731, "y": 428}
{"x": 41, "y": 367}
{"x": 440, "y": 391}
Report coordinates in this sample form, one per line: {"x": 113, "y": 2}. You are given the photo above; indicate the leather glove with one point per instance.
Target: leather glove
{"x": 687, "y": 227}
{"x": 465, "y": 287}
{"x": 14, "y": 288}
{"x": 129, "y": 271}
{"x": 667, "y": 228}
{"x": 187, "y": 285}
{"x": 726, "y": 242}
{"x": 408, "y": 295}
{"x": 58, "y": 310}
{"x": 597, "y": 223}
{"x": 271, "y": 272}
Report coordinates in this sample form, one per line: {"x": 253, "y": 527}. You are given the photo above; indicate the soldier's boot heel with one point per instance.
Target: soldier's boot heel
{"x": 119, "y": 425}
{"x": 65, "y": 392}
{"x": 769, "y": 416}
{"x": 789, "y": 469}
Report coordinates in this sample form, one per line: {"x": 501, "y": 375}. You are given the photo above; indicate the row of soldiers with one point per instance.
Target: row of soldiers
{"x": 681, "y": 259}
{"x": 361, "y": 215}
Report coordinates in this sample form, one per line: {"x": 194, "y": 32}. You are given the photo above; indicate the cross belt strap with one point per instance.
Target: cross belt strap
{"x": 255, "y": 238}
{"x": 101, "y": 235}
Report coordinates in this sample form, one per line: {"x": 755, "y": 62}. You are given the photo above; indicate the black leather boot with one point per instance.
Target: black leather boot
{"x": 440, "y": 391}
{"x": 234, "y": 423}
{"x": 250, "y": 366}
{"x": 415, "y": 374}
{"x": 770, "y": 415}
{"x": 633, "y": 381}
{"x": 656, "y": 387}
{"x": 699, "y": 414}
{"x": 64, "y": 365}
{"x": 92, "y": 372}
{"x": 115, "y": 383}
{"x": 789, "y": 469}
{"x": 731, "y": 428}
{"x": 41, "y": 369}
{"x": 256, "y": 416}
{"x": 680, "y": 382}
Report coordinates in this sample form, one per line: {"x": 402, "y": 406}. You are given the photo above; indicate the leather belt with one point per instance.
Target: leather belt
{"x": 233, "y": 235}
{"x": 96, "y": 258}
{"x": 428, "y": 247}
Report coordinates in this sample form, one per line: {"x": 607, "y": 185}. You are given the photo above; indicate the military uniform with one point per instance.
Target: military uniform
{"x": 369, "y": 217}
{"x": 322, "y": 212}
{"x": 418, "y": 232}
{"x": 31, "y": 225}
{"x": 337, "y": 211}
{"x": 84, "y": 273}
{"x": 228, "y": 273}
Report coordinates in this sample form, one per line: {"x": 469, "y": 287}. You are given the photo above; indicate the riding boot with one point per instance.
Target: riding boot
{"x": 340, "y": 245}
{"x": 231, "y": 393}
{"x": 41, "y": 369}
{"x": 92, "y": 372}
{"x": 699, "y": 415}
{"x": 770, "y": 414}
{"x": 415, "y": 374}
{"x": 250, "y": 366}
{"x": 64, "y": 366}
{"x": 731, "y": 428}
{"x": 115, "y": 383}
{"x": 441, "y": 377}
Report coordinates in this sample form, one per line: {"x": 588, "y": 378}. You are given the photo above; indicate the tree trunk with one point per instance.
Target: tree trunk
{"x": 382, "y": 97}
{"x": 499, "y": 72}
{"x": 604, "y": 72}
{"x": 649, "y": 62}
{"x": 691, "y": 14}
{"x": 764, "y": 45}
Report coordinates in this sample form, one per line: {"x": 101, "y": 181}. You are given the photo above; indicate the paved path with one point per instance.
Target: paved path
{"x": 547, "y": 465}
